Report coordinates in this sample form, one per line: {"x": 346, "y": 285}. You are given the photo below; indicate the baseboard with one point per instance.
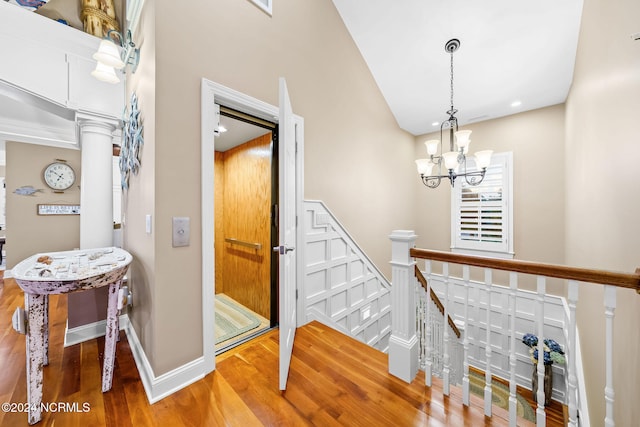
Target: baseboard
{"x": 158, "y": 388}
{"x": 73, "y": 336}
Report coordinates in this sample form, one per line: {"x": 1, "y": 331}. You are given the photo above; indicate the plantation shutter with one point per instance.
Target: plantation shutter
{"x": 481, "y": 212}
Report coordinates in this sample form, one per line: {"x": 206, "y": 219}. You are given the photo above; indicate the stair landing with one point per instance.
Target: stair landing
{"x": 336, "y": 380}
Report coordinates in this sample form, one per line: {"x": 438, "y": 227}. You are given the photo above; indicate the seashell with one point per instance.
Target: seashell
{"x": 45, "y": 273}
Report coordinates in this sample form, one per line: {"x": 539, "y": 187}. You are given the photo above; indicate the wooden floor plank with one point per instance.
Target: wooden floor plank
{"x": 333, "y": 381}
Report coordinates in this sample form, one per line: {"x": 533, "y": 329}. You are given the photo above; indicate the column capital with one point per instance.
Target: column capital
{"x": 86, "y": 120}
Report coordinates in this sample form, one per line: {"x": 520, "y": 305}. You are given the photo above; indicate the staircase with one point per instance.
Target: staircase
{"x": 404, "y": 349}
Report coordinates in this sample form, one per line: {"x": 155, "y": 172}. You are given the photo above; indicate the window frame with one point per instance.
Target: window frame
{"x": 504, "y": 249}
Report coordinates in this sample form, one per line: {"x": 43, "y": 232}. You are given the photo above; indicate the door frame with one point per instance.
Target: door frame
{"x": 212, "y": 93}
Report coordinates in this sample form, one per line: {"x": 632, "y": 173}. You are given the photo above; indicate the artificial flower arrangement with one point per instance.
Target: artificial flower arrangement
{"x": 552, "y": 350}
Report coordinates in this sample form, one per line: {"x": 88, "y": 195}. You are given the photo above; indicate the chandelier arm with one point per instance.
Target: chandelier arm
{"x": 431, "y": 181}
{"x": 474, "y": 182}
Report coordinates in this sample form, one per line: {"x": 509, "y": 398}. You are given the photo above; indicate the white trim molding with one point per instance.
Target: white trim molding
{"x": 214, "y": 93}
{"x": 77, "y": 335}
{"x": 155, "y": 387}
{"x": 159, "y": 387}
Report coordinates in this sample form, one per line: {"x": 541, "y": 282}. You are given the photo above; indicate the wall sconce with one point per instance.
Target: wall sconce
{"x": 110, "y": 56}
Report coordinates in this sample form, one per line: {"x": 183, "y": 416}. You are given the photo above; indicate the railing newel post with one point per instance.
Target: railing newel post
{"x": 403, "y": 343}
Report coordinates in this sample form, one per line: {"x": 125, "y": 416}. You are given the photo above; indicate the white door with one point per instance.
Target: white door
{"x": 287, "y": 214}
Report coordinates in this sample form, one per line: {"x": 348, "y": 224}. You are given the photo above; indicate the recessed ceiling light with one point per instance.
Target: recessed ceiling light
{"x": 516, "y": 103}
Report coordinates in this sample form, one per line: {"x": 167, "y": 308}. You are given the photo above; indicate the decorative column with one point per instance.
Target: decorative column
{"x": 403, "y": 343}
{"x": 96, "y": 214}
{"x": 96, "y": 186}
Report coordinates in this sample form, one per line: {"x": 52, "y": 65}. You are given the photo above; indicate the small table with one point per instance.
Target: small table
{"x": 50, "y": 273}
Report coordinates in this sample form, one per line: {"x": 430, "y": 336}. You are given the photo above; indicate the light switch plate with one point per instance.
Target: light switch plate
{"x": 181, "y": 231}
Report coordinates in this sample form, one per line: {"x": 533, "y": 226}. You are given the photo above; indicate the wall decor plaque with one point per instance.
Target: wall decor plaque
{"x": 60, "y": 209}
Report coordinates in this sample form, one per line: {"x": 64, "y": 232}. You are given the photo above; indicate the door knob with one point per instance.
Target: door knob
{"x": 283, "y": 249}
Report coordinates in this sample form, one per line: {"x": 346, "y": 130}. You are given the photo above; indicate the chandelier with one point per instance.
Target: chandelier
{"x": 454, "y": 160}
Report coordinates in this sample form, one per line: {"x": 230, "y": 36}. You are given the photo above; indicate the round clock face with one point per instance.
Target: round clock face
{"x": 59, "y": 176}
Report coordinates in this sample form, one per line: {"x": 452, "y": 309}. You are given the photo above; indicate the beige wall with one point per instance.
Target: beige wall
{"x": 356, "y": 158}
{"x": 27, "y": 232}
{"x": 536, "y": 139}
{"x": 603, "y": 188}
{"x": 139, "y": 199}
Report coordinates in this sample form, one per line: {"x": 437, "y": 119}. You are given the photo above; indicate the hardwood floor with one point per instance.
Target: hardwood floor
{"x": 333, "y": 381}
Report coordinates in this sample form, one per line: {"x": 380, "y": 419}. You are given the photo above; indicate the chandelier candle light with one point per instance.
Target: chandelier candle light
{"x": 452, "y": 159}
{"x": 111, "y": 56}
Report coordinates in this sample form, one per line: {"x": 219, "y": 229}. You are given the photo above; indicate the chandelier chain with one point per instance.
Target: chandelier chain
{"x": 451, "y": 81}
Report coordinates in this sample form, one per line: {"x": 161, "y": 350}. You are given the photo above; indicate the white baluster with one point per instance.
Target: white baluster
{"x": 540, "y": 413}
{"x": 487, "y": 351}
{"x": 422, "y": 321}
{"x": 446, "y": 369}
{"x": 610, "y": 306}
{"x": 572, "y": 298}
{"x": 513, "y": 402}
{"x": 465, "y": 340}
{"x": 428, "y": 373}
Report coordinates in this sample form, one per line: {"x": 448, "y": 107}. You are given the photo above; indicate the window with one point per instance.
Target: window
{"x": 482, "y": 215}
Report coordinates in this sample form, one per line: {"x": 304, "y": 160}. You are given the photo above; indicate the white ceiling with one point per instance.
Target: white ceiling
{"x": 237, "y": 132}
{"x": 511, "y": 50}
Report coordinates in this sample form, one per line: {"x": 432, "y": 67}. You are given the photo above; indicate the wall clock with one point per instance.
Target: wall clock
{"x": 59, "y": 176}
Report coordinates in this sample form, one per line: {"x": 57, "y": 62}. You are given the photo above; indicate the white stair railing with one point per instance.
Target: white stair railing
{"x": 439, "y": 341}
{"x": 404, "y": 354}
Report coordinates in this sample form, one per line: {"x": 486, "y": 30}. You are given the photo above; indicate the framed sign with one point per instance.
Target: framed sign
{"x": 46, "y": 209}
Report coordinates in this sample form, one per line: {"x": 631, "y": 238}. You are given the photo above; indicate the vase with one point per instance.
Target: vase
{"x": 548, "y": 383}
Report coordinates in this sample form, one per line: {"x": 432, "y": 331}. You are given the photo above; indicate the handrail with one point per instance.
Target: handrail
{"x": 256, "y": 246}
{"x": 436, "y": 300}
{"x": 623, "y": 280}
